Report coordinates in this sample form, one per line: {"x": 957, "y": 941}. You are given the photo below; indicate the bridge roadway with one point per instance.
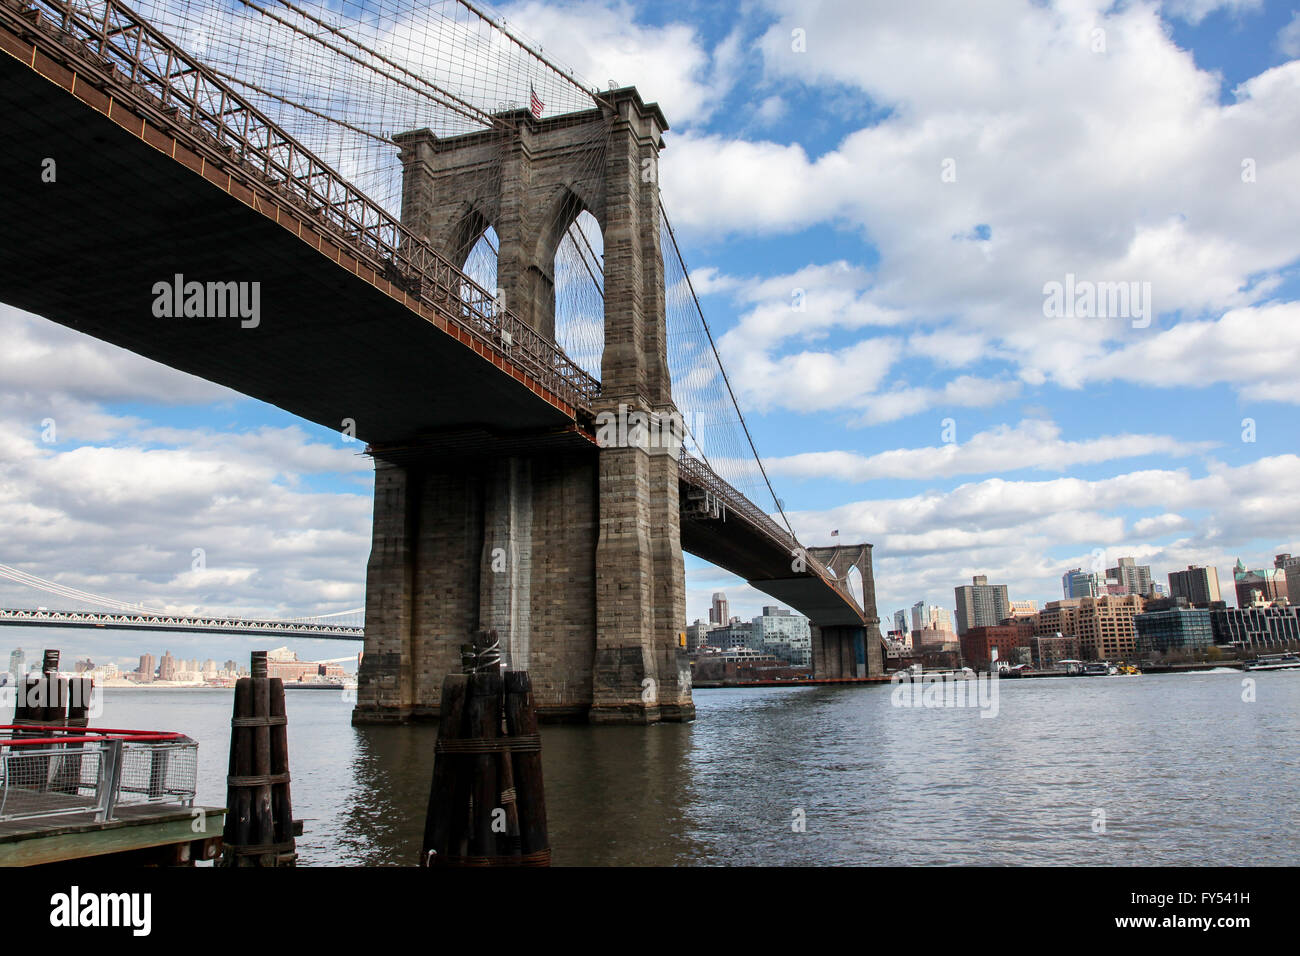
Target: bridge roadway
{"x": 133, "y": 621}
{"x": 356, "y": 322}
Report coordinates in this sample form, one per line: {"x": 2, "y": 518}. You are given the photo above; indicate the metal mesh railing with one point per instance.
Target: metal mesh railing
{"x": 56, "y": 771}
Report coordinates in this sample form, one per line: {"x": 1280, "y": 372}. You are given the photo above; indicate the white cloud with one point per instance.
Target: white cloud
{"x": 1009, "y": 529}
{"x": 1255, "y": 349}
{"x": 1115, "y": 166}
{"x": 669, "y": 64}
{"x": 1031, "y": 444}
{"x": 1194, "y": 11}
{"x": 116, "y": 505}
{"x": 964, "y": 391}
{"x": 46, "y": 359}
{"x": 1288, "y": 39}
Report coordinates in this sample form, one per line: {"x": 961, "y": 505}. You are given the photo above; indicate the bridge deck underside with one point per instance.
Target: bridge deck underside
{"x": 86, "y": 250}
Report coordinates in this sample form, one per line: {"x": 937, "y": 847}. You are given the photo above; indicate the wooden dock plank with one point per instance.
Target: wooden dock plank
{"x": 76, "y": 836}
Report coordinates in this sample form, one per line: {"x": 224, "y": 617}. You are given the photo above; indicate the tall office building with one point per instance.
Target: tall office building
{"x": 1134, "y": 578}
{"x": 16, "y": 660}
{"x": 719, "y": 613}
{"x": 167, "y": 668}
{"x": 1291, "y": 575}
{"x": 901, "y": 622}
{"x": 1200, "y": 586}
{"x": 1078, "y": 583}
{"x": 980, "y": 604}
{"x": 145, "y": 672}
{"x": 1280, "y": 564}
{"x": 930, "y": 617}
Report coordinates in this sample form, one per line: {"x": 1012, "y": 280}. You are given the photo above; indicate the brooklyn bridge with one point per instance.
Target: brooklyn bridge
{"x": 460, "y": 256}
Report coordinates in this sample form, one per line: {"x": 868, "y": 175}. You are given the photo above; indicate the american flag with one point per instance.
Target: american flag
{"x": 835, "y": 533}
{"x": 535, "y": 102}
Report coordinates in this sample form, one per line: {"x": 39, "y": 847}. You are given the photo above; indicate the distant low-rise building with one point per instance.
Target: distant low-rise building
{"x": 932, "y": 639}
{"x": 735, "y": 634}
{"x": 1051, "y": 649}
{"x": 1257, "y": 627}
{"x": 978, "y": 644}
{"x": 784, "y": 634}
{"x": 1105, "y": 627}
{"x": 697, "y": 635}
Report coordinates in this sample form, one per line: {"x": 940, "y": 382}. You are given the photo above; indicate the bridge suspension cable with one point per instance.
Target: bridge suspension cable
{"x": 344, "y": 77}
{"x": 62, "y": 590}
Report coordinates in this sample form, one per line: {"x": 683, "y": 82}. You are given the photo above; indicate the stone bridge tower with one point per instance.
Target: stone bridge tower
{"x": 571, "y": 552}
{"x": 846, "y": 651}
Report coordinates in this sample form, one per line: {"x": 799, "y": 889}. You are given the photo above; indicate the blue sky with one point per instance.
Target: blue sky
{"x": 920, "y": 171}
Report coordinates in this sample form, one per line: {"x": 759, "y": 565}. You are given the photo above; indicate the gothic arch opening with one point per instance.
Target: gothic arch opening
{"x": 579, "y": 272}
{"x": 480, "y": 262}
{"x": 854, "y": 583}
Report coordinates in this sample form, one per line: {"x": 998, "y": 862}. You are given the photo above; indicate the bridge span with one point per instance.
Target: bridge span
{"x": 495, "y": 504}
{"x": 126, "y": 621}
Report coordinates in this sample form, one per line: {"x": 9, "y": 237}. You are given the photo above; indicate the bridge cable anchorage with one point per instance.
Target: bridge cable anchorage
{"x": 707, "y": 331}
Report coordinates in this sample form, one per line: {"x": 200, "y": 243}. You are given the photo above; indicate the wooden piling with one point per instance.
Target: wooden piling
{"x": 281, "y": 802}
{"x": 483, "y": 721}
{"x": 486, "y": 806}
{"x": 443, "y": 798}
{"x": 259, "y": 827}
{"x": 526, "y": 762}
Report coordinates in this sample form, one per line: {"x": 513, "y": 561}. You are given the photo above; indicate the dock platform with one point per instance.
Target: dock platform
{"x": 89, "y": 794}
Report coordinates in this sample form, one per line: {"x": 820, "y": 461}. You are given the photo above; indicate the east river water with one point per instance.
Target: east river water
{"x": 1153, "y": 770}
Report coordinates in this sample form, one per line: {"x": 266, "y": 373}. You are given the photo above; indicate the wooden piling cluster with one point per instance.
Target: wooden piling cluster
{"x": 259, "y": 828}
{"x": 48, "y": 700}
{"x": 487, "y": 805}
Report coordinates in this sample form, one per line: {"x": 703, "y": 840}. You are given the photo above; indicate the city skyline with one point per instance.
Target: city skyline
{"x": 124, "y": 648}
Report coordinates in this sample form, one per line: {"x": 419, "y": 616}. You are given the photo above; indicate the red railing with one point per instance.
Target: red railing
{"x": 51, "y": 770}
